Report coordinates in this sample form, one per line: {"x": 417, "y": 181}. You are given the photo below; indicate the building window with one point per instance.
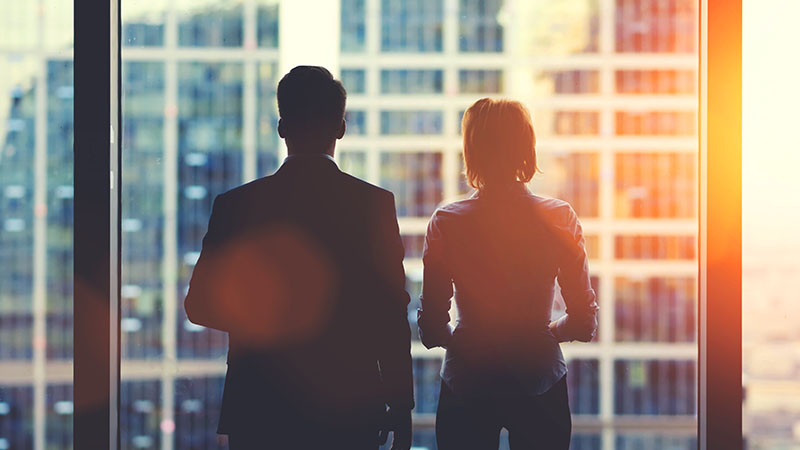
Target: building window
{"x": 412, "y": 26}
{"x": 405, "y": 81}
{"x": 573, "y": 81}
{"x": 479, "y": 28}
{"x": 480, "y": 81}
{"x": 644, "y": 27}
{"x": 655, "y": 81}
{"x": 570, "y": 176}
{"x": 655, "y": 185}
{"x": 411, "y": 122}
{"x": 576, "y": 123}
{"x": 415, "y": 179}
{"x": 655, "y": 309}
{"x": 654, "y": 387}
{"x": 211, "y": 26}
{"x": 354, "y": 81}
{"x": 356, "y": 122}
{"x": 656, "y": 123}
{"x": 353, "y": 162}
{"x": 354, "y": 28}
{"x": 268, "y": 25}
{"x": 669, "y": 247}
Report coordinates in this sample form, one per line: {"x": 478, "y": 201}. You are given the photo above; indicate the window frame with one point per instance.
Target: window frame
{"x": 97, "y": 226}
{"x": 720, "y": 226}
{"x": 96, "y": 229}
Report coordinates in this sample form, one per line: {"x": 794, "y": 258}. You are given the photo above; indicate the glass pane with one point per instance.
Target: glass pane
{"x": 641, "y": 28}
{"x": 770, "y": 214}
{"x": 480, "y": 28}
{"x": 412, "y": 26}
{"x": 210, "y": 24}
{"x": 36, "y": 207}
{"x": 193, "y": 128}
{"x": 617, "y": 140}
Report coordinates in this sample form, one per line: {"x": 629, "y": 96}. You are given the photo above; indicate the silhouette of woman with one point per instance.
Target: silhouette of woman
{"x": 498, "y": 254}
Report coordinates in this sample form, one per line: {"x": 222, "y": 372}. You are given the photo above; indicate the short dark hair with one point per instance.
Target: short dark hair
{"x": 311, "y": 103}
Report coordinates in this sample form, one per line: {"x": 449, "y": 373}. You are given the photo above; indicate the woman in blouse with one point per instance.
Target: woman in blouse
{"x": 498, "y": 255}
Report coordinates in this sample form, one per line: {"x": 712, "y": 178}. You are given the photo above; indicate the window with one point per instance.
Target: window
{"x": 655, "y": 185}
{"x": 36, "y": 224}
{"x": 354, "y": 81}
{"x": 412, "y": 26}
{"x": 656, "y": 123}
{"x": 356, "y": 122}
{"x": 655, "y": 247}
{"x": 199, "y": 113}
{"x": 655, "y": 81}
{"x": 573, "y": 81}
{"x": 654, "y": 387}
{"x": 411, "y": 81}
{"x": 415, "y": 179}
{"x": 573, "y": 176}
{"x": 480, "y": 81}
{"x": 411, "y": 122}
{"x": 576, "y": 123}
{"x": 354, "y": 27}
{"x": 214, "y": 25}
{"x": 655, "y": 309}
{"x": 479, "y": 29}
{"x": 641, "y": 28}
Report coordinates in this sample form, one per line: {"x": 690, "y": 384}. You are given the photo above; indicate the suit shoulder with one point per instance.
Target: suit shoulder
{"x": 367, "y": 188}
{"x": 245, "y": 190}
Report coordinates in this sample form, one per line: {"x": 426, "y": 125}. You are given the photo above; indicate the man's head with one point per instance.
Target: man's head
{"x": 311, "y": 106}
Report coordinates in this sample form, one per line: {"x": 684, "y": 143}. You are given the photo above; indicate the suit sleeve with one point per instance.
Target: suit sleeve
{"x": 394, "y": 353}
{"x": 437, "y": 290}
{"x": 580, "y": 322}
{"x": 200, "y": 304}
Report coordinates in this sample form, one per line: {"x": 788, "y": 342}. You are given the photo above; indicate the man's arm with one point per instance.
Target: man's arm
{"x": 201, "y": 303}
{"x": 580, "y": 322}
{"x": 394, "y": 354}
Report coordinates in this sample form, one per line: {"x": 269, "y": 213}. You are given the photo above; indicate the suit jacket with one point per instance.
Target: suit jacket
{"x": 304, "y": 271}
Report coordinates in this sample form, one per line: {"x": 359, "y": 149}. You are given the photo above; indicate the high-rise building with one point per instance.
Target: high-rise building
{"x": 612, "y": 88}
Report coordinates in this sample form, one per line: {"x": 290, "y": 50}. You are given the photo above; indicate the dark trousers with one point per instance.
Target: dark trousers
{"x": 304, "y": 437}
{"x": 533, "y": 422}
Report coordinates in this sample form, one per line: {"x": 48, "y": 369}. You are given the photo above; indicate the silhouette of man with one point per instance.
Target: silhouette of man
{"x": 304, "y": 271}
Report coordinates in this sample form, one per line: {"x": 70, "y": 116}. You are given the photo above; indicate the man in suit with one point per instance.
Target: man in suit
{"x": 304, "y": 271}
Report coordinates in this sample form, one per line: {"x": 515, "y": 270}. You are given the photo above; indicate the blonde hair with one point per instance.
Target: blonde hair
{"x": 499, "y": 143}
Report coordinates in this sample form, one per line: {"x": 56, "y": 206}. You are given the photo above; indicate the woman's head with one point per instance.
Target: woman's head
{"x": 499, "y": 143}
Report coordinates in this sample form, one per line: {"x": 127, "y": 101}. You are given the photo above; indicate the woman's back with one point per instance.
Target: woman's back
{"x": 502, "y": 251}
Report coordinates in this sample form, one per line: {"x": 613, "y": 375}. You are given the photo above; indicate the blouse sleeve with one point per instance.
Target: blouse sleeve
{"x": 580, "y": 321}
{"x": 437, "y": 289}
